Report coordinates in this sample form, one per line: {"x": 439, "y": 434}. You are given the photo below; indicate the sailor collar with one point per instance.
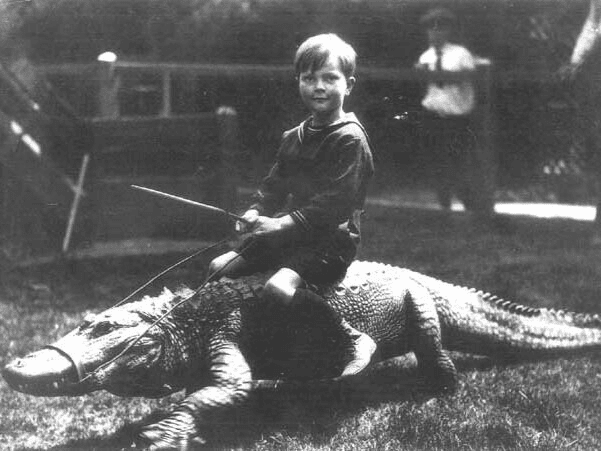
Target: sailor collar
{"x": 306, "y": 132}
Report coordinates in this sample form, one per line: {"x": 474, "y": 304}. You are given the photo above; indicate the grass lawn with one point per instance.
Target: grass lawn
{"x": 549, "y": 405}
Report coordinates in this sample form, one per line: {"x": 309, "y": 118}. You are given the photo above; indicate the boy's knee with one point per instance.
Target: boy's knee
{"x": 225, "y": 264}
{"x": 216, "y": 265}
{"x": 275, "y": 292}
{"x": 282, "y": 286}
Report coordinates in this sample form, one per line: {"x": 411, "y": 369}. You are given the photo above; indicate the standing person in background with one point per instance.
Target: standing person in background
{"x": 449, "y": 102}
{"x": 583, "y": 72}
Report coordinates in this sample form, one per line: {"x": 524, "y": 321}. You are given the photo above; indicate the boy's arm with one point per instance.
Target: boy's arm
{"x": 264, "y": 225}
{"x": 270, "y": 198}
{"x": 272, "y": 193}
{"x": 334, "y": 204}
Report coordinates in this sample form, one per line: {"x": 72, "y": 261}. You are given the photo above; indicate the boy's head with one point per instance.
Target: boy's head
{"x": 325, "y": 66}
{"x": 315, "y": 52}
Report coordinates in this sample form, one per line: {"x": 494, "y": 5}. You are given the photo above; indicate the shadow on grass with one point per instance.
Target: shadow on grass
{"x": 314, "y": 410}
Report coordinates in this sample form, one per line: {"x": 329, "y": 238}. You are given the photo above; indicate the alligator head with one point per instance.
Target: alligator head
{"x": 118, "y": 350}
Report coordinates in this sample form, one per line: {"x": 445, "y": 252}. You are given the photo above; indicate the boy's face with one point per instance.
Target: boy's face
{"x": 323, "y": 91}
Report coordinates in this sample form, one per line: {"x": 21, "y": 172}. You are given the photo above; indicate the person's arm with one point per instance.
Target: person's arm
{"x": 422, "y": 69}
{"x": 271, "y": 195}
{"x": 334, "y": 204}
{"x": 588, "y": 39}
{"x": 465, "y": 67}
{"x": 589, "y": 36}
{"x": 465, "y": 71}
{"x": 265, "y": 225}
{"x": 268, "y": 199}
{"x": 336, "y": 201}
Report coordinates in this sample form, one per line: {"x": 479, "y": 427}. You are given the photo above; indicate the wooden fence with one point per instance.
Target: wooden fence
{"x": 145, "y": 125}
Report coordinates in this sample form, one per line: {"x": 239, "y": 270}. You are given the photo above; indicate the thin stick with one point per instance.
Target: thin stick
{"x": 191, "y": 202}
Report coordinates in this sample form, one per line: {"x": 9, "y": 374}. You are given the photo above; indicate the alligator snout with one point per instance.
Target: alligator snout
{"x": 42, "y": 373}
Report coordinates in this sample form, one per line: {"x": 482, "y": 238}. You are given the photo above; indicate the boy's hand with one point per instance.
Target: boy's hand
{"x": 266, "y": 226}
{"x": 251, "y": 217}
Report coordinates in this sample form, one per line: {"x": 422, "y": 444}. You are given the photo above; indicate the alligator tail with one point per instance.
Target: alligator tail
{"x": 481, "y": 323}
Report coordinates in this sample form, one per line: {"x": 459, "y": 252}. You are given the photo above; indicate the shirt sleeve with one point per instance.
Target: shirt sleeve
{"x": 346, "y": 172}
{"x": 272, "y": 193}
{"x": 466, "y": 60}
{"x": 424, "y": 58}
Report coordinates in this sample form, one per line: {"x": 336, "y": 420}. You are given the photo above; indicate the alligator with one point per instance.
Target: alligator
{"x": 222, "y": 339}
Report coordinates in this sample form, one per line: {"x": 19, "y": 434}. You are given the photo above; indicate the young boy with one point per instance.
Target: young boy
{"x": 305, "y": 222}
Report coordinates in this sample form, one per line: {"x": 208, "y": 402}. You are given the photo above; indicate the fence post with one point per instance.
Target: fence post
{"x": 485, "y": 93}
{"x": 488, "y": 164}
{"x": 166, "y": 90}
{"x": 227, "y": 173}
{"x": 108, "y": 89}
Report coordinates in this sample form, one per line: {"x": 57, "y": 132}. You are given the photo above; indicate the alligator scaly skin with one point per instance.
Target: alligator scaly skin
{"x": 214, "y": 344}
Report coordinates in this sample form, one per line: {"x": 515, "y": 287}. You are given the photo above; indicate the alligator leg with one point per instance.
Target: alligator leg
{"x": 436, "y": 368}
{"x": 230, "y": 385}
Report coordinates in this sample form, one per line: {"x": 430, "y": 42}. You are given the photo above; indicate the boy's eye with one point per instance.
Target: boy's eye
{"x": 326, "y": 78}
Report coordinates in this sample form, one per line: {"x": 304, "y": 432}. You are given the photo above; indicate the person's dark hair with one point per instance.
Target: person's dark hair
{"x": 315, "y": 51}
{"x": 438, "y": 17}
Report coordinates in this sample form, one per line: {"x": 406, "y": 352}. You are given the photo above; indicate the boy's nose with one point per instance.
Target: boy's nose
{"x": 319, "y": 84}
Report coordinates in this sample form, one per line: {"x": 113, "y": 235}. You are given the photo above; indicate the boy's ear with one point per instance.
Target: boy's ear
{"x": 350, "y": 84}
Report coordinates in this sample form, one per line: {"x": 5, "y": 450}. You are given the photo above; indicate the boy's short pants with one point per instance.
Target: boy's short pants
{"x": 318, "y": 261}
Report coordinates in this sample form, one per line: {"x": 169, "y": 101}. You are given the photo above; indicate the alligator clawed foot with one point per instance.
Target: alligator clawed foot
{"x": 176, "y": 432}
{"x": 437, "y": 382}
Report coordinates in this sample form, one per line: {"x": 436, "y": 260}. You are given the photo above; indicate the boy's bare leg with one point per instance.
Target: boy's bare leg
{"x": 282, "y": 286}
{"x": 231, "y": 264}
{"x": 285, "y": 286}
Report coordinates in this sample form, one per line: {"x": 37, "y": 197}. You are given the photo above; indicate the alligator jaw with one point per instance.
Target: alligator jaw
{"x": 46, "y": 372}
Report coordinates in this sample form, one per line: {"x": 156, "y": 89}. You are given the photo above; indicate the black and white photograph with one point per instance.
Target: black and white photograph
{"x": 300, "y": 225}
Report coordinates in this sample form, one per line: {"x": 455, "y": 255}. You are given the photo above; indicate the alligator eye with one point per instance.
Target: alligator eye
{"x": 88, "y": 319}
{"x": 102, "y": 328}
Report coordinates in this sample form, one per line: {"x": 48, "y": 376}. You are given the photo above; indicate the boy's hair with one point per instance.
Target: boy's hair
{"x": 315, "y": 51}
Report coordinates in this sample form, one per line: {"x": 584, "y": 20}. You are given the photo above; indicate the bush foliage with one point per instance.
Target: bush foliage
{"x": 386, "y": 32}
